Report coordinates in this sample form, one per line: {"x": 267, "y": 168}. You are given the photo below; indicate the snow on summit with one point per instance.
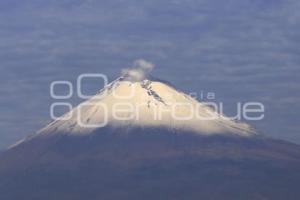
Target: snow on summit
{"x": 135, "y": 99}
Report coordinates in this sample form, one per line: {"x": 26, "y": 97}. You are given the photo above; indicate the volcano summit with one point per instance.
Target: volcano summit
{"x": 141, "y": 138}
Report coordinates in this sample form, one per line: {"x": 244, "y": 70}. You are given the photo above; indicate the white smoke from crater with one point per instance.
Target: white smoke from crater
{"x": 144, "y": 65}
{"x": 139, "y": 71}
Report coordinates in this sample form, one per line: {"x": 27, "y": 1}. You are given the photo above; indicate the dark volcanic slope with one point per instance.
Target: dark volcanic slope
{"x": 154, "y": 164}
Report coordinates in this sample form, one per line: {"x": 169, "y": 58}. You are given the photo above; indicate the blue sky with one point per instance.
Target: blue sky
{"x": 243, "y": 50}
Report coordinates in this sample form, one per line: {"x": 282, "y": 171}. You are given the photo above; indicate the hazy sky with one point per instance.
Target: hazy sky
{"x": 243, "y": 50}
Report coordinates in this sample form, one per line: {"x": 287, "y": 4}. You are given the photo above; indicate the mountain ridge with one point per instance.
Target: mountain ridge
{"x": 135, "y": 159}
{"x": 114, "y": 163}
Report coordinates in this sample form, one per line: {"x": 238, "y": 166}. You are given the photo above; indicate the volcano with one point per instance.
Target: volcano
{"x": 141, "y": 138}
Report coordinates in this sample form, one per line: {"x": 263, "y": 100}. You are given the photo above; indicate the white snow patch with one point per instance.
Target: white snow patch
{"x": 145, "y": 103}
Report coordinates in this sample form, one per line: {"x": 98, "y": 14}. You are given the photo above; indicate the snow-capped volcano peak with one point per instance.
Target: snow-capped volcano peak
{"x": 136, "y": 100}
